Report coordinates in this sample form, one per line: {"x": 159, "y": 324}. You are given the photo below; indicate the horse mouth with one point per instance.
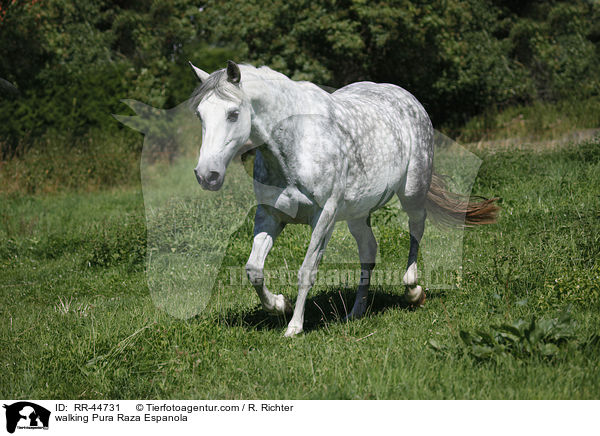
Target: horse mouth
{"x": 211, "y": 186}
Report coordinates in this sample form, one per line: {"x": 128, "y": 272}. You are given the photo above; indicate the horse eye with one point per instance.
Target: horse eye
{"x": 233, "y": 116}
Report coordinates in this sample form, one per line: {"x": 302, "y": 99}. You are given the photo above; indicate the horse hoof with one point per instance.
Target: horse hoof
{"x": 415, "y": 297}
{"x": 292, "y": 331}
{"x": 351, "y": 316}
{"x": 355, "y": 313}
{"x": 421, "y": 302}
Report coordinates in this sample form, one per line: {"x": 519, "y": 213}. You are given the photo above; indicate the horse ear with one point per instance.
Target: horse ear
{"x": 142, "y": 120}
{"x": 201, "y": 75}
{"x": 233, "y": 72}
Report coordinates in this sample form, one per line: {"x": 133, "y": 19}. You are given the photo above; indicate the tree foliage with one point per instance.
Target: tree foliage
{"x": 73, "y": 61}
{"x": 457, "y": 56}
{"x": 66, "y": 64}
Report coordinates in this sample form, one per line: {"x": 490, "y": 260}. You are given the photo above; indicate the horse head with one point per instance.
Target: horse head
{"x": 225, "y": 113}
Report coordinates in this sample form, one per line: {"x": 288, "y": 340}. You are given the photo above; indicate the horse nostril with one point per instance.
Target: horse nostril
{"x": 198, "y": 176}
{"x": 212, "y": 176}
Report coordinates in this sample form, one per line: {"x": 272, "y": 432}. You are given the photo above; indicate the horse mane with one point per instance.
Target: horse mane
{"x": 217, "y": 82}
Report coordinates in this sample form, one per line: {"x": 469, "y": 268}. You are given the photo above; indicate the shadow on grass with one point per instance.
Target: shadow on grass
{"x": 328, "y": 307}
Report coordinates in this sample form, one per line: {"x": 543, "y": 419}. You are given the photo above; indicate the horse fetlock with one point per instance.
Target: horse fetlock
{"x": 307, "y": 277}
{"x": 283, "y": 304}
{"x": 410, "y": 277}
{"x": 278, "y": 305}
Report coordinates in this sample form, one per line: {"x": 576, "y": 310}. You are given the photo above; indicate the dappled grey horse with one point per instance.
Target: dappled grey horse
{"x": 323, "y": 158}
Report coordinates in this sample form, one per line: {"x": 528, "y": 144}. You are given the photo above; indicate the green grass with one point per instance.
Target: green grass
{"x": 78, "y": 321}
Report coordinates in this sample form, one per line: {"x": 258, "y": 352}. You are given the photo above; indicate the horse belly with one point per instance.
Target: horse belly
{"x": 374, "y": 176}
{"x": 360, "y": 199}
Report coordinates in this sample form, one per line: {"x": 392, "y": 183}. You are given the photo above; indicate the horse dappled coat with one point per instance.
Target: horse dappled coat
{"x": 330, "y": 157}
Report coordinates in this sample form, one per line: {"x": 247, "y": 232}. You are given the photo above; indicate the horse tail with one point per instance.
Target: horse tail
{"x": 457, "y": 210}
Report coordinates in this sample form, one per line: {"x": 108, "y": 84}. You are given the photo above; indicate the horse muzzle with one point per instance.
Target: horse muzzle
{"x": 211, "y": 181}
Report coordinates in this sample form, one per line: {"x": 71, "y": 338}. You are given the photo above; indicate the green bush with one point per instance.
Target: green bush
{"x": 543, "y": 338}
{"x": 459, "y": 57}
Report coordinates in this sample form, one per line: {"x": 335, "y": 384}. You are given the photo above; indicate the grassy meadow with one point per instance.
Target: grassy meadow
{"x": 78, "y": 321}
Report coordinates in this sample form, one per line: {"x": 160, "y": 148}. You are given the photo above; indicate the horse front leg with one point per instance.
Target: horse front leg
{"x": 266, "y": 230}
{"x": 323, "y": 225}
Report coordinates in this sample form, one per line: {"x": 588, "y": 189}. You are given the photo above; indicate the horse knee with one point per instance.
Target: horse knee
{"x": 255, "y": 274}
{"x": 306, "y": 276}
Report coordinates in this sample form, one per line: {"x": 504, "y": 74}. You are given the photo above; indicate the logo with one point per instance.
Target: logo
{"x": 26, "y": 415}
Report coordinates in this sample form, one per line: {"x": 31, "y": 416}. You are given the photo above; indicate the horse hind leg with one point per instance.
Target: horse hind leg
{"x": 415, "y": 209}
{"x": 367, "y": 251}
{"x": 413, "y": 196}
